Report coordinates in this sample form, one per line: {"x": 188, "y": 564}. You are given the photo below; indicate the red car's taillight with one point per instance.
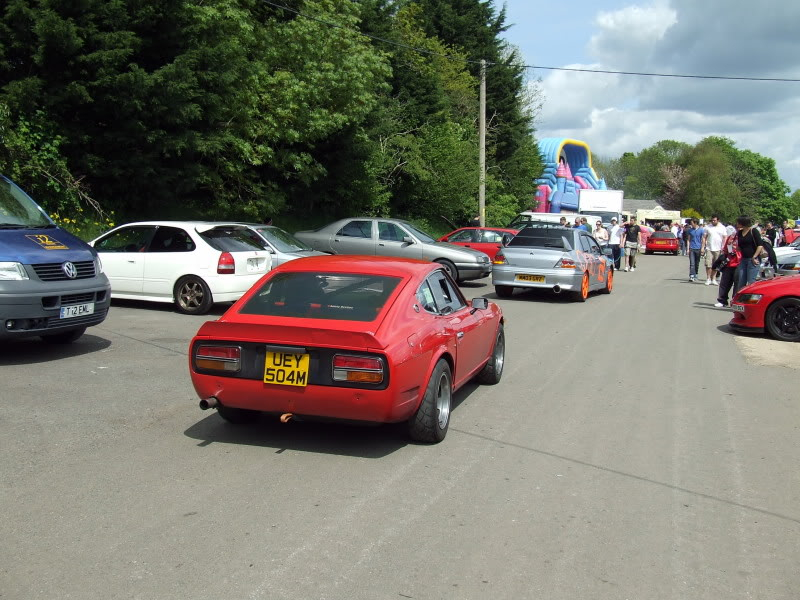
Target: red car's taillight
{"x": 226, "y": 264}
{"x": 218, "y": 358}
{"x": 357, "y": 369}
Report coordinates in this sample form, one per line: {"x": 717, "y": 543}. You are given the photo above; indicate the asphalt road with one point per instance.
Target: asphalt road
{"x": 635, "y": 449}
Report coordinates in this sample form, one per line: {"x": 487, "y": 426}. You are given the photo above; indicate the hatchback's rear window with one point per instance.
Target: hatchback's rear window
{"x": 231, "y": 239}
{"x": 335, "y": 296}
{"x": 662, "y": 235}
{"x": 542, "y": 237}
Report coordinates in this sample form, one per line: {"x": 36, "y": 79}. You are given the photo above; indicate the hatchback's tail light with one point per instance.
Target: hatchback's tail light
{"x": 565, "y": 263}
{"x": 499, "y": 259}
{"x": 218, "y": 358}
{"x": 357, "y": 369}
{"x": 226, "y": 264}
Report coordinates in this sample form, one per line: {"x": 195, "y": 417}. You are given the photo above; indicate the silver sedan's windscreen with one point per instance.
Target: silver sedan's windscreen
{"x": 334, "y": 296}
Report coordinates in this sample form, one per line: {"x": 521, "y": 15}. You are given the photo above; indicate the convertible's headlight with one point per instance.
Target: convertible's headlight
{"x": 748, "y": 298}
{"x": 12, "y": 271}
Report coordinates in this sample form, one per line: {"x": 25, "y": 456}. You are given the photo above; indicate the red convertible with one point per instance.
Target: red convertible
{"x": 357, "y": 338}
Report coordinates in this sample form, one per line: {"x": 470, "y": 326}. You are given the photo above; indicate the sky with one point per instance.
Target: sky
{"x": 623, "y": 113}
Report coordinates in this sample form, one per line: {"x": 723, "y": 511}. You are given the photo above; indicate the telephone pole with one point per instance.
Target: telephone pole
{"x": 482, "y": 149}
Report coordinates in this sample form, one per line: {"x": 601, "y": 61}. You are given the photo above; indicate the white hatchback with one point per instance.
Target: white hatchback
{"x": 191, "y": 263}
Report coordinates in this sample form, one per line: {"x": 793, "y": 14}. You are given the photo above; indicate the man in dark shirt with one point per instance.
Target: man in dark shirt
{"x": 631, "y": 239}
{"x": 771, "y": 233}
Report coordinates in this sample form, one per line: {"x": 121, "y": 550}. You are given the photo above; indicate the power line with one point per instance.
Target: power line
{"x": 524, "y": 66}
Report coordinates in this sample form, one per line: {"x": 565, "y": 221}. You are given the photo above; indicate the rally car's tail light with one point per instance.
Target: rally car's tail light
{"x": 565, "y": 263}
{"x": 499, "y": 259}
{"x": 357, "y": 369}
{"x": 226, "y": 264}
{"x": 219, "y": 358}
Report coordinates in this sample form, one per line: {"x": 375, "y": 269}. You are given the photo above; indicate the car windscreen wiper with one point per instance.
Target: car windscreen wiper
{"x": 12, "y": 226}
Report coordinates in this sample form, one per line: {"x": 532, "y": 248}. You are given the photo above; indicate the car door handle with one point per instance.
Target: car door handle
{"x": 460, "y": 334}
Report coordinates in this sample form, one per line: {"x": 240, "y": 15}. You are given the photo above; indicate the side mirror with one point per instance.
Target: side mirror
{"x": 408, "y": 239}
{"x": 480, "y": 304}
{"x": 608, "y": 251}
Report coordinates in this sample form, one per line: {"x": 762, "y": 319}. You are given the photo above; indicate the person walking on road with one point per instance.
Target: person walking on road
{"x": 601, "y": 234}
{"x": 749, "y": 243}
{"x": 614, "y": 242}
{"x": 631, "y": 240}
{"x": 713, "y": 238}
{"x": 686, "y": 237}
{"x": 695, "y": 233}
{"x": 727, "y": 262}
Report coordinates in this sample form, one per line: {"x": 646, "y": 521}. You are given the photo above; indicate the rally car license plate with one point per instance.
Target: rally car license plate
{"x": 737, "y": 307}
{"x": 286, "y": 369}
{"x": 76, "y": 310}
{"x": 530, "y": 278}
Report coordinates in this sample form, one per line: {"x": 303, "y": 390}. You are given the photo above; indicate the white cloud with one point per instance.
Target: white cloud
{"x": 616, "y": 113}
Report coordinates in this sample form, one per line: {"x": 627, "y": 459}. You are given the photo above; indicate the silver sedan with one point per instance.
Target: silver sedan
{"x": 555, "y": 258}
{"x": 393, "y": 237}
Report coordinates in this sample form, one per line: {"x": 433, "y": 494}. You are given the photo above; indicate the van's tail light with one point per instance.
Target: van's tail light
{"x": 565, "y": 263}
{"x": 218, "y": 358}
{"x": 499, "y": 259}
{"x": 357, "y": 369}
{"x": 226, "y": 264}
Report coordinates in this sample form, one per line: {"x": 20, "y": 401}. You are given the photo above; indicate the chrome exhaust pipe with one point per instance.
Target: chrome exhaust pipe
{"x": 210, "y": 402}
{"x": 556, "y": 289}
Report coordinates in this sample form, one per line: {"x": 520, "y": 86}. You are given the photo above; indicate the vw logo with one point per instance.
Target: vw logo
{"x": 69, "y": 270}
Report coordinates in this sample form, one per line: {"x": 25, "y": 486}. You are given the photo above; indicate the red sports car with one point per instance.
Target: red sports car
{"x": 358, "y": 338}
{"x": 486, "y": 239}
{"x": 661, "y": 241}
{"x": 771, "y": 304}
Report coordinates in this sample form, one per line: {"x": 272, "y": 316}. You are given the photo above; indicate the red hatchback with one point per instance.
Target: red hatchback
{"x": 486, "y": 239}
{"x": 661, "y": 241}
{"x": 357, "y": 338}
{"x": 771, "y": 304}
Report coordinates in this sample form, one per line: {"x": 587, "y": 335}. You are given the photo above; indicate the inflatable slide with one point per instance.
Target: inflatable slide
{"x": 567, "y": 168}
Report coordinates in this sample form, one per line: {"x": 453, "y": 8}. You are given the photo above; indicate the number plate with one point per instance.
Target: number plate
{"x": 76, "y": 310}
{"x": 531, "y": 278}
{"x": 286, "y": 369}
{"x": 661, "y": 243}
{"x": 737, "y": 307}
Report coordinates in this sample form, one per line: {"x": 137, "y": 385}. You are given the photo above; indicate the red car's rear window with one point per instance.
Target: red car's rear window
{"x": 662, "y": 235}
{"x": 334, "y": 296}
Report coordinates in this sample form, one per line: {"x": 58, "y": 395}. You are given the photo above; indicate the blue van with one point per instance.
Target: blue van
{"x": 51, "y": 283}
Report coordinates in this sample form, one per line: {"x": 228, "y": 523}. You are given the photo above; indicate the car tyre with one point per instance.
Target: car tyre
{"x": 609, "y": 282}
{"x": 504, "y": 291}
{"x": 582, "y": 294}
{"x": 782, "y": 319}
{"x": 237, "y": 416}
{"x": 430, "y": 422}
{"x": 493, "y": 370}
{"x": 192, "y": 296}
{"x": 66, "y": 337}
{"x": 449, "y": 267}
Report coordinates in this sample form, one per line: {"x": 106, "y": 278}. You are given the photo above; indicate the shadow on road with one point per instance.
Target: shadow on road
{"x": 28, "y": 351}
{"x": 314, "y": 436}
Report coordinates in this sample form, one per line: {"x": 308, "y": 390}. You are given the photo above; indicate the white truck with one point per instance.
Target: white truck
{"x": 606, "y": 204}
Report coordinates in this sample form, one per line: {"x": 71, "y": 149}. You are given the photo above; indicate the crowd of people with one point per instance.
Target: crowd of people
{"x": 732, "y": 255}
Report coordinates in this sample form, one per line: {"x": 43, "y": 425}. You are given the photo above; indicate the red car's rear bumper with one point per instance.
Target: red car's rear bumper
{"x": 378, "y": 406}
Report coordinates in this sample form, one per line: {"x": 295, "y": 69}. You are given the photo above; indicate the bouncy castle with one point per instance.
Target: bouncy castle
{"x": 567, "y": 168}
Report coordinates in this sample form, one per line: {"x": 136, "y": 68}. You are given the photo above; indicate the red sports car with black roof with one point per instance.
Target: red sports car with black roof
{"x": 356, "y": 338}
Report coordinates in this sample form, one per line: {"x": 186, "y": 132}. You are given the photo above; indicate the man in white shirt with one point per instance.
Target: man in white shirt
{"x": 713, "y": 239}
{"x": 614, "y": 240}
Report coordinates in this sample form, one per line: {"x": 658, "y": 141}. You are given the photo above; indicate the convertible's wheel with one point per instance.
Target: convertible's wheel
{"x": 66, "y": 337}
{"x": 609, "y": 282}
{"x": 493, "y": 370}
{"x": 583, "y": 293}
{"x": 449, "y": 267}
{"x": 430, "y": 422}
{"x": 783, "y": 319}
{"x": 192, "y": 296}
{"x": 504, "y": 291}
{"x": 237, "y": 416}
